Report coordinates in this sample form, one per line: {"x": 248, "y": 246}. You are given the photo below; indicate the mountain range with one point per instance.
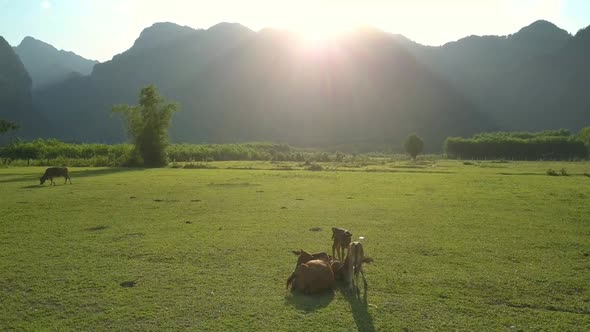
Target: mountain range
{"x": 15, "y": 88}
{"x": 48, "y": 65}
{"x": 366, "y": 87}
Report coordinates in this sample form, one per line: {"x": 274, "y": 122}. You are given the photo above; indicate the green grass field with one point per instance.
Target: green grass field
{"x": 490, "y": 246}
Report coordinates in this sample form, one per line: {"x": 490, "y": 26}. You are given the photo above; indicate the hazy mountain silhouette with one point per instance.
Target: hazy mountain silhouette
{"x": 15, "y": 88}
{"x": 525, "y": 81}
{"x": 47, "y": 65}
{"x": 366, "y": 86}
{"x": 235, "y": 84}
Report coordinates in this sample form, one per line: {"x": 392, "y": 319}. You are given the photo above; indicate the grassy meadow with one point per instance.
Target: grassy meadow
{"x": 472, "y": 247}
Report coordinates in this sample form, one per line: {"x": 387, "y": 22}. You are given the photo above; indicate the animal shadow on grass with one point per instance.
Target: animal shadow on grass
{"x": 6, "y": 178}
{"x": 104, "y": 171}
{"x": 96, "y": 228}
{"x": 73, "y": 174}
{"x": 309, "y": 303}
{"x": 34, "y": 186}
{"x": 359, "y": 307}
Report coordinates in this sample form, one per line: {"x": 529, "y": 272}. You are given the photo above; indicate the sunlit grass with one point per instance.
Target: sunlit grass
{"x": 488, "y": 246}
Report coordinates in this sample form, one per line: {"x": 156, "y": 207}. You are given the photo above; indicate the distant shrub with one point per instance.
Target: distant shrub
{"x": 6, "y": 126}
{"x": 315, "y": 167}
{"x": 133, "y": 159}
{"x": 359, "y": 165}
{"x": 414, "y": 145}
{"x": 552, "y": 172}
{"x": 587, "y": 174}
{"x": 563, "y": 172}
{"x": 176, "y": 165}
{"x": 198, "y": 166}
{"x": 147, "y": 125}
{"x": 468, "y": 163}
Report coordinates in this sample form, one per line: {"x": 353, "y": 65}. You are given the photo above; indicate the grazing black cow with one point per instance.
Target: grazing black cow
{"x": 53, "y": 172}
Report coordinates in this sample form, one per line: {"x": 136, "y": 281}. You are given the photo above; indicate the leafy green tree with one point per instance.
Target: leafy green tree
{"x": 148, "y": 124}
{"x": 414, "y": 145}
{"x": 6, "y": 126}
{"x": 584, "y": 136}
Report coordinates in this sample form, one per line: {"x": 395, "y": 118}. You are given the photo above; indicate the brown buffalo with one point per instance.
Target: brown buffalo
{"x": 341, "y": 238}
{"x": 304, "y": 257}
{"x": 354, "y": 264}
{"x": 53, "y": 172}
{"x": 312, "y": 277}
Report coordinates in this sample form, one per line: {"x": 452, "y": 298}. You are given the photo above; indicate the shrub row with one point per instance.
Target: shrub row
{"x": 49, "y": 152}
{"x": 518, "y": 146}
{"x": 53, "y": 149}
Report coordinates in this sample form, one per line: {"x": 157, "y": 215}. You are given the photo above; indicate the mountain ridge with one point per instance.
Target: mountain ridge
{"x": 15, "y": 90}
{"x": 236, "y": 85}
{"x": 47, "y": 65}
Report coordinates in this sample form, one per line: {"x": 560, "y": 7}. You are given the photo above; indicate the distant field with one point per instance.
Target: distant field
{"x": 489, "y": 246}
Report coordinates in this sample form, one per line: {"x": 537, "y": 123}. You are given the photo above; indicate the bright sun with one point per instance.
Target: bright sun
{"x": 316, "y": 28}
{"x": 318, "y": 33}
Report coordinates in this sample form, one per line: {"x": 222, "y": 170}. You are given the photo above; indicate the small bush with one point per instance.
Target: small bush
{"x": 563, "y": 172}
{"x": 552, "y": 172}
{"x": 468, "y": 163}
{"x": 132, "y": 160}
{"x": 198, "y": 166}
{"x": 587, "y": 174}
{"x": 175, "y": 165}
{"x": 315, "y": 167}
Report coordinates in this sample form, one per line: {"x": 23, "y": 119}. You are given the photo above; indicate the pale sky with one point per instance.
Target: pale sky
{"x": 102, "y": 28}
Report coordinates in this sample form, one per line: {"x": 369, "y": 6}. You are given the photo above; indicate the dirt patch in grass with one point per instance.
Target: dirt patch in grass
{"x": 226, "y": 185}
{"x": 128, "y": 284}
{"x": 96, "y": 228}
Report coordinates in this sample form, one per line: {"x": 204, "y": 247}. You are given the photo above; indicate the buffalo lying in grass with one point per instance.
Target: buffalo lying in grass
{"x": 312, "y": 277}
{"x": 315, "y": 273}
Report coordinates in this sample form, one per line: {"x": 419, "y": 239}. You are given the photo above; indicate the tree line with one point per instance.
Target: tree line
{"x": 53, "y": 151}
{"x": 148, "y": 123}
{"x": 545, "y": 145}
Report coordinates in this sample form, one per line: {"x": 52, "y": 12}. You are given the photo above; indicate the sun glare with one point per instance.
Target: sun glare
{"x": 319, "y": 33}
{"x": 321, "y": 24}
